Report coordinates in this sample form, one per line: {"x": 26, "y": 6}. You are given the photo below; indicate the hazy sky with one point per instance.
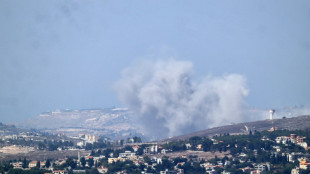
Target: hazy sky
{"x": 68, "y": 54}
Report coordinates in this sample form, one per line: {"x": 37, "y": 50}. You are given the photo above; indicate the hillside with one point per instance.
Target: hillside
{"x": 9, "y": 129}
{"x": 300, "y": 122}
{"x": 111, "y": 122}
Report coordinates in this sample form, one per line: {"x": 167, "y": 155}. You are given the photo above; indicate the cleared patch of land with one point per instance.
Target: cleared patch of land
{"x": 196, "y": 154}
{"x": 43, "y": 155}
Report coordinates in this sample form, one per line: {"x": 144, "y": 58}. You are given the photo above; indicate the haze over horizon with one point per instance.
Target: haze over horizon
{"x": 68, "y": 54}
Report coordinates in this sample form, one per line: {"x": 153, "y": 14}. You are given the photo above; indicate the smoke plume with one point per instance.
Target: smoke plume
{"x": 167, "y": 101}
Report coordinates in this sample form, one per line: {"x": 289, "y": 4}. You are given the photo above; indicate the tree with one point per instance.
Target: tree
{"x": 71, "y": 163}
{"x": 121, "y": 142}
{"x": 90, "y": 162}
{"x": 48, "y": 163}
{"x": 93, "y": 171}
{"x": 38, "y": 164}
{"x": 88, "y": 146}
{"x": 140, "y": 151}
{"x": 41, "y": 145}
{"x": 137, "y": 139}
{"x": 150, "y": 170}
{"x": 147, "y": 160}
{"x": 83, "y": 161}
{"x": 25, "y": 163}
{"x": 92, "y": 153}
{"x": 128, "y": 148}
{"x": 98, "y": 152}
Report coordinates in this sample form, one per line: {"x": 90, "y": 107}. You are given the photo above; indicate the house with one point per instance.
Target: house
{"x": 60, "y": 172}
{"x": 188, "y": 146}
{"x": 135, "y": 148}
{"x": 170, "y": 172}
{"x": 262, "y": 167}
{"x": 300, "y": 139}
{"x": 17, "y": 165}
{"x": 304, "y": 145}
{"x": 32, "y": 164}
{"x": 127, "y": 154}
{"x": 256, "y": 172}
{"x": 295, "y": 171}
{"x": 304, "y": 163}
{"x": 91, "y": 138}
{"x": 42, "y": 164}
{"x": 199, "y": 147}
{"x": 102, "y": 169}
{"x": 111, "y": 160}
{"x": 226, "y": 172}
{"x": 151, "y": 149}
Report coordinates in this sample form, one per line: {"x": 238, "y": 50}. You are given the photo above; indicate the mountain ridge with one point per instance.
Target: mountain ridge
{"x": 294, "y": 123}
{"x": 107, "y": 122}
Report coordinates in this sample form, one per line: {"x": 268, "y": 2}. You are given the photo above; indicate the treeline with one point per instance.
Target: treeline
{"x": 54, "y": 145}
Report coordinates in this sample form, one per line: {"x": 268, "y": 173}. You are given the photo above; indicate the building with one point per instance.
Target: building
{"x": 304, "y": 163}
{"x": 135, "y": 148}
{"x": 262, "y": 167}
{"x": 127, "y": 154}
{"x": 42, "y": 164}
{"x": 17, "y": 165}
{"x": 300, "y": 139}
{"x": 32, "y": 164}
{"x": 60, "y": 172}
{"x": 111, "y": 160}
{"x": 151, "y": 149}
{"x": 295, "y": 171}
{"x": 91, "y": 138}
{"x": 103, "y": 169}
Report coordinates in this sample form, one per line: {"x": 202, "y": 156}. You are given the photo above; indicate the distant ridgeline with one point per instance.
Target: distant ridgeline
{"x": 110, "y": 122}
{"x": 294, "y": 123}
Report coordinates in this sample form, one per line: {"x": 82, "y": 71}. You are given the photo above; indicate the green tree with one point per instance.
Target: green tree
{"x": 90, "y": 162}
{"x": 121, "y": 142}
{"x": 147, "y": 160}
{"x": 137, "y": 139}
{"x": 92, "y": 153}
{"x": 83, "y": 161}
{"x": 88, "y": 146}
{"x": 38, "y": 164}
{"x": 93, "y": 171}
{"x": 25, "y": 163}
{"x": 128, "y": 148}
{"x": 71, "y": 163}
{"x": 48, "y": 163}
{"x": 140, "y": 151}
{"x": 41, "y": 145}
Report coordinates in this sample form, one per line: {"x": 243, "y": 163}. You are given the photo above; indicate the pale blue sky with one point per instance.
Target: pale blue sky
{"x": 67, "y": 54}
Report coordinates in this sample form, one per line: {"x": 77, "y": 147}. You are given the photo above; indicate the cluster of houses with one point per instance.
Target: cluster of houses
{"x": 258, "y": 168}
{"x": 32, "y": 164}
{"x": 27, "y": 136}
{"x": 153, "y": 149}
{"x": 304, "y": 164}
{"x": 292, "y": 139}
{"x": 87, "y": 138}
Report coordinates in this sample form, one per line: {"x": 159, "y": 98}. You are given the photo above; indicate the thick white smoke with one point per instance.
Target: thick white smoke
{"x": 166, "y": 100}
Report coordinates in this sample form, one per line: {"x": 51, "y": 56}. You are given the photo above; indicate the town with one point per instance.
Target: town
{"x": 254, "y": 152}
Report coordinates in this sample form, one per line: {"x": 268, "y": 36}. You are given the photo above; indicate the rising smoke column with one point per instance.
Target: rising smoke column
{"x": 166, "y": 100}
